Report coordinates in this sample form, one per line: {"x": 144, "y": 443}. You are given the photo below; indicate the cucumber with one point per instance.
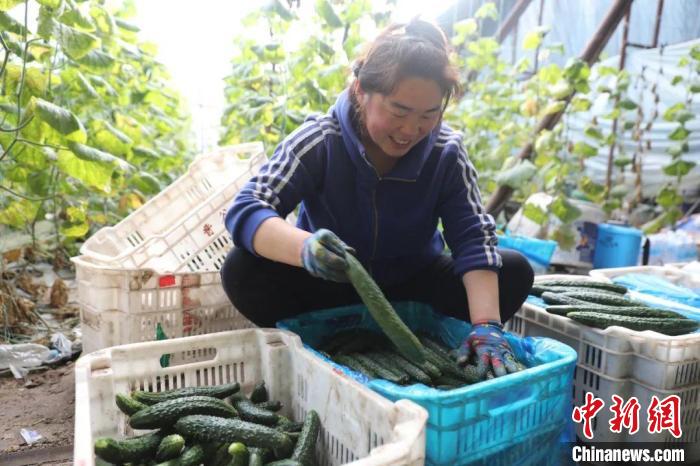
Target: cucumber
{"x": 354, "y": 364}
{"x": 662, "y": 325}
{"x": 259, "y": 393}
{"x": 286, "y": 462}
{"x": 359, "y": 337}
{"x": 382, "y": 312}
{"x": 128, "y": 405}
{"x": 602, "y": 298}
{"x": 447, "y": 366}
{"x": 251, "y": 413}
{"x": 287, "y": 425}
{"x": 388, "y": 365}
{"x": 306, "y": 445}
{"x": 449, "y": 380}
{"x": 614, "y": 287}
{"x": 165, "y": 413}
{"x": 414, "y": 372}
{"x": 381, "y": 372}
{"x": 537, "y": 290}
{"x": 219, "y": 391}
{"x": 192, "y": 456}
{"x": 170, "y": 447}
{"x": 204, "y": 428}
{"x": 238, "y": 453}
{"x": 563, "y": 310}
{"x": 559, "y": 298}
{"x": 273, "y": 406}
{"x": 134, "y": 449}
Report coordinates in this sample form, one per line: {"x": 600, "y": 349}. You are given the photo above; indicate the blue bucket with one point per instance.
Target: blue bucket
{"x": 616, "y": 246}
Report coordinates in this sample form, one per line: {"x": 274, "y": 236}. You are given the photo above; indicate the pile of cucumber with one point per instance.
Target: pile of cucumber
{"x": 373, "y": 355}
{"x": 602, "y": 305}
{"x": 214, "y": 425}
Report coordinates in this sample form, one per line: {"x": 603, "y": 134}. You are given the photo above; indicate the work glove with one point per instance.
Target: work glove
{"x": 323, "y": 256}
{"x": 487, "y": 342}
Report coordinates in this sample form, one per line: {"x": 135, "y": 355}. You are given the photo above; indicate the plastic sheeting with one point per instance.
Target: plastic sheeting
{"x": 659, "y": 286}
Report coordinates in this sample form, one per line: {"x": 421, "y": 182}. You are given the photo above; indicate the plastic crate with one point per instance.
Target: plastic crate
{"x": 476, "y": 424}
{"x": 358, "y": 426}
{"x": 120, "y": 306}
{"x": 206, "y": 176}
{"x": 660, "y": 361}
{"x": 605, "y": 387}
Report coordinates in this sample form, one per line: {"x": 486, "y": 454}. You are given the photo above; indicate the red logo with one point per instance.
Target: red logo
{"x": 208, "y": 230}
{"x": 626, "y": 415}
{"x": 665, "y": 415}
{"x": 587, "y": 412}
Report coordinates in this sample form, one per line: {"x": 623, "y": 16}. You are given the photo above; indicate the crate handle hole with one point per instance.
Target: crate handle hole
{"x": 198, "y": 355}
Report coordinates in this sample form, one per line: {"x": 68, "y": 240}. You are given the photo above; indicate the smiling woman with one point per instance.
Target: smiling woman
{"x": 373, "y": 177}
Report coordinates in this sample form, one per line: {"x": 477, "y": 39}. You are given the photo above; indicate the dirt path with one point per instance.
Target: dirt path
{"x": 47, "y": 408}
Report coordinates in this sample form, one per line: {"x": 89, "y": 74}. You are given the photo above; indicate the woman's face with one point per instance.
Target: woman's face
{"x": 398, "y": 121}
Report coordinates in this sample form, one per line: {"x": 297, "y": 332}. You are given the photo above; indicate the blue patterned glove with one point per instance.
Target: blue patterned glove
{"x": 492, "y": 350}
{"x": 323, "y": 256}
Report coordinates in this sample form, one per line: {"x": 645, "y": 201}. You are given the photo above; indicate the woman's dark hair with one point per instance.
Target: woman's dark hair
{"x": 416, "y": 49}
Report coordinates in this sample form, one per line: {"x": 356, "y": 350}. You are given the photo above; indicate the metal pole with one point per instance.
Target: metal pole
{"x": 589, "y": 55}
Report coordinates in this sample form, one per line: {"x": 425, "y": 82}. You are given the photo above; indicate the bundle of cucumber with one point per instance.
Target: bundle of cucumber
{"x": 602, "y": 305}
{"x": 215, "y": 426}
{"x": 398, "y": 356}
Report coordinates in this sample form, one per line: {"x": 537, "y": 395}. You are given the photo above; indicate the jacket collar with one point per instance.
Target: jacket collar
{"x": 408, "y": 168}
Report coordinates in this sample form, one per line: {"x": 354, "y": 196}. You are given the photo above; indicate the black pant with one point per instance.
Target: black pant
{"x": 266, "y": 291}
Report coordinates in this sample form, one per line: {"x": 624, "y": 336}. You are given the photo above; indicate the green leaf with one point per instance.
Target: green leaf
{"x": 594, "y": 133}
{"x": 695, "y": 52}
{"x": 533, "y": 39}
{"x": 9, "y": 4}
{"x": 584, "y": 149}
{"x": 127, "y": 25}
{"x": 564, "y": 210}
{"x": 678, "y": 168}
{"x": 46, "y": 25}
{"x": 91, "y": 154}
{"x": 561, "y": 90}
{"x": 76, "y": 224}
{"x": 535, "y": 213}
{"x": 627, "y": 104}
{"x": 146, "y": 183}
{"x": 325, "y": 10}
{"x": 8, "y": 23}
{"x": 580, "y": 104}
{"x": 554, "y": 107}
{"x": 60, "y": 119}
{"x": 76, "y": 44}
{"x": 676, "y": 79}
{"x": 76, "y": 18}
{"x": 487, "y": 10}
{"x": 695, "y": 87}
{"x": 595, "y": 191}
{"x": 97, "y": 60}
{"x": 668, "y": 197}
{"x": 517, "y": 176}
{"x": 622, "y": 160}
{"x": 19, "y": 214}
{"x": 679, "y": 134}
{"x": 95, "y": 174}
{"x": 50, "y": 3}
{"x": 672, "y": 111}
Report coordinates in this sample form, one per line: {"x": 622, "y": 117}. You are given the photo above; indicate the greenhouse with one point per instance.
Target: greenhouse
{"x": 367, "y": 232}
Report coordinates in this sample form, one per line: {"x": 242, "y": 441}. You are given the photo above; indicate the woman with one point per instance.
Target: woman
{"x": 374, "y": 176}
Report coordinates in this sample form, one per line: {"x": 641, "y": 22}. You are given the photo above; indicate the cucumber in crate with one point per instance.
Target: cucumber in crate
{"x": 470, "y": 420}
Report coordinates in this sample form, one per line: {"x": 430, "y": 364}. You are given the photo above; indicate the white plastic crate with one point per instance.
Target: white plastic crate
{"x": 661, "y": 361}
{"x": 119, "y": 306}
{"x": 179, "y": 205}
{"x": 358, "y": 426}
{"x": 604, "y": 387}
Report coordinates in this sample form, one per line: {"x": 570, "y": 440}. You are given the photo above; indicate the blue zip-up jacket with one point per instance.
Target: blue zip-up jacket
{"x": 391, "y": 220}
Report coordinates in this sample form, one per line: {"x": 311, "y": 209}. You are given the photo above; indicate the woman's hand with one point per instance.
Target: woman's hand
{"x": 323, "y": 256}
{"x": 487, "y": 342}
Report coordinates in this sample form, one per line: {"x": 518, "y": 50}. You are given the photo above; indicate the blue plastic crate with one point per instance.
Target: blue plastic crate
{"x": 475, "y": 423}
